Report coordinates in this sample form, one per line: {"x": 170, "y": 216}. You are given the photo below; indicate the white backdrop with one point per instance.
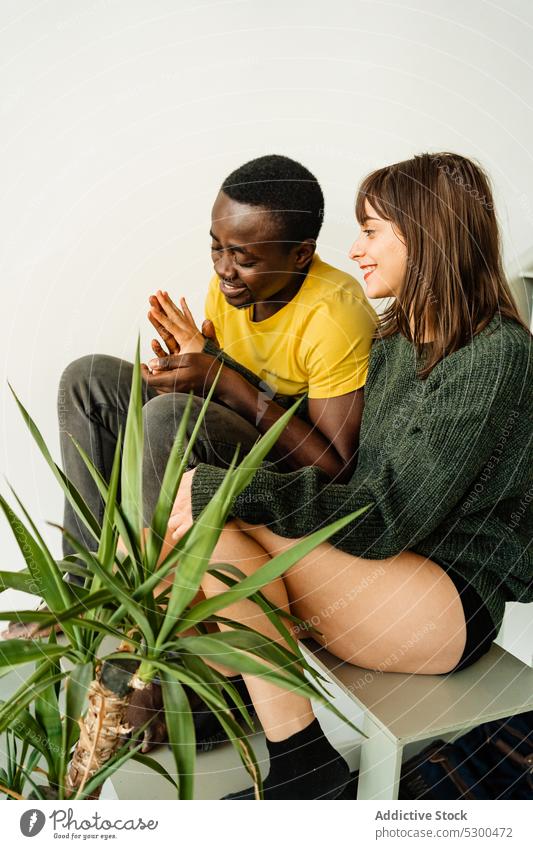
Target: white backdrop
{"x": 120, "y": 118}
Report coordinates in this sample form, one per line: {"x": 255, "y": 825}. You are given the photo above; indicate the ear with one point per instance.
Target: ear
{"x": 303, "y": 253}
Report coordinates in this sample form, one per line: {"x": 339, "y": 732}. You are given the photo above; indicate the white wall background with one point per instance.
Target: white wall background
{"x": 120, "y": 118}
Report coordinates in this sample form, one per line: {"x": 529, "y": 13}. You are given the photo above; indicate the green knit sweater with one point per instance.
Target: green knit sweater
{"x": 446, "y": 463}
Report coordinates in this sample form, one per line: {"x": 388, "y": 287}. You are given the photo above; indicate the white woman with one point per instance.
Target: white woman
{"x": 418, "y": 583}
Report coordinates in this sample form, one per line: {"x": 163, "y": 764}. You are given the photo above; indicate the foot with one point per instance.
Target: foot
{"x": 29, "y": 630}
{"x": 148, "y": 704}
{"x": 329, "y": 782}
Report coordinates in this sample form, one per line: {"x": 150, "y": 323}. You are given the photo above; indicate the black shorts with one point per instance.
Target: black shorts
{"x": 480, "y": 630}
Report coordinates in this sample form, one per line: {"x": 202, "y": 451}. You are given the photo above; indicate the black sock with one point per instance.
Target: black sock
{"x": 305, "y": 766}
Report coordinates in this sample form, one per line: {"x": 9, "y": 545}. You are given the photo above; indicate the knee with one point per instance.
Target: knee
{"x": 161, "y": 418}
{"x": 80, "y": 373}
{"x": 165, "y": 408}
{"x": 162, "y": 415}
{"x": 72, "y": 384}
{"x": 75, "y": 371}
{"x": 93, "y": 377}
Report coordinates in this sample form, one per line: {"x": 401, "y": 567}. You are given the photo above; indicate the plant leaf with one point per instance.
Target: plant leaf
{"x": 210, "y": 675}
{"x": 41, "y": 565}
{"x": 176, "y": 465}
{"x": 236, "y": 734}
{"x": 205, "y": 532}
{"x": 73, "y": 496}
{"x": 194, "y": 557}
{"x": 154, "y": 765}
{"x": 47, "y": 715}
{"x": 242, "y": 662}
{"x": 28, "y": 729}
{"x": 24, "y": 696}
{"x": 45, "y": 618}
{"x": 107, "y": 545}
{"x": 132, "y": 455}
{"x": 76, "y": 689}
{"x": 21, "y": 580}
{"x": 112, "y": 583}
{"x": 181, "y": 734}
{"x": 122, "y": 524}
{"x": 15, "y": 652}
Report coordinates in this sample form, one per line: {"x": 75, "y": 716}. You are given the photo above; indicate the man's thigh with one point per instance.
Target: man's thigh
{"x": 221, "y": 436}
{"x": 221, "y": 432}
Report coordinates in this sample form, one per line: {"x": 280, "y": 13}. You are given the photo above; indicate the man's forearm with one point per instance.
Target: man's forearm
{"x": 250, "y": 376}
{"x": 283, "y": 401}
{"x": 300, "y": 444}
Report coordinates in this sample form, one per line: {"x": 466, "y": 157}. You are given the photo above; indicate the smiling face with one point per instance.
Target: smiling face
{"x": 382, "y": 255}
{"x": 250, "y": 256}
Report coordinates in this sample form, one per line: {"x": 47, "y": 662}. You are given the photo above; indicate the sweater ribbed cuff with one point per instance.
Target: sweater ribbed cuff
{"x": 205, "y": 482}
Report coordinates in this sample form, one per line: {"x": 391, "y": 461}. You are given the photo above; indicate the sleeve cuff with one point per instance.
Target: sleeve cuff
{"x": 211, "y": 348}
{"x": 205, "y": 482}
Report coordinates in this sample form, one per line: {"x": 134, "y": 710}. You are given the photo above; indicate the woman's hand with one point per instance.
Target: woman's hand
{"x": 181, "y": 373}
{"x": 176, "y": 326}
{"x": 181, "y": 514}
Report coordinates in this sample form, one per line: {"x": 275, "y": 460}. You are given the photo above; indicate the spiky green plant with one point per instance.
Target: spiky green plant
{"x": 118, "y": 601}
{"x": 41, "y": 734}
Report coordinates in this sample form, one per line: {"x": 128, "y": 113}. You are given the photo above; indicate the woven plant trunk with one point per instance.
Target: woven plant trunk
{"x": 103, "y": 728}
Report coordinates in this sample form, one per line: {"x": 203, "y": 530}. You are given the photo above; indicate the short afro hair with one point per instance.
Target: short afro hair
{"x": 284, "y": 186}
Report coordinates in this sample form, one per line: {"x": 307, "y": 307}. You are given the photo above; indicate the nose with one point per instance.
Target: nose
{"x": 356, "y": 251}
{"x": 224, "y": 266}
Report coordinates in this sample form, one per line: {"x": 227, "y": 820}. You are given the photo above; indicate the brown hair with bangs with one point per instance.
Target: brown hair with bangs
{"x": 442, "y": 206}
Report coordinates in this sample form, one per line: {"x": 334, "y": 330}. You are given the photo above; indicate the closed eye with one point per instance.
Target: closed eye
{"x": 217, "y": 249}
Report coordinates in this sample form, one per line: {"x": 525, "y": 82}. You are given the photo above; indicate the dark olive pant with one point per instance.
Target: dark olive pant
{"x": 93, "y": 399}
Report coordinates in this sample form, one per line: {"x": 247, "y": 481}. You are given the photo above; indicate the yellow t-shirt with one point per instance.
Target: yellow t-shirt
{"x": 318, "y": 343}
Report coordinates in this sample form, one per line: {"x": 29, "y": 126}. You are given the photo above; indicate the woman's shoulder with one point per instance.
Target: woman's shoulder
{"x": 503, "y": 346}
{"x": 494, "y": 367}
{"x": 500, "y": 356}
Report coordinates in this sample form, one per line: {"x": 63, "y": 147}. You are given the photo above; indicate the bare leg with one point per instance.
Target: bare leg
{"x": 281, "y": 712}
{"x": 400, "y": 614}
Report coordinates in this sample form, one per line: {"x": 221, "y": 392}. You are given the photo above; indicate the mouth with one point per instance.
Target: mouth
{"x": 368, "y": 269}
{"x": 232, "y": 290}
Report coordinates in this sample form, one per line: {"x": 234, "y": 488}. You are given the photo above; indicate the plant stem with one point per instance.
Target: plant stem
{"x": 100, "y": 735}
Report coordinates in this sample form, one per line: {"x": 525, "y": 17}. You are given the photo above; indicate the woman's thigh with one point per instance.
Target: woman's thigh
{"x": 402, "y": 614}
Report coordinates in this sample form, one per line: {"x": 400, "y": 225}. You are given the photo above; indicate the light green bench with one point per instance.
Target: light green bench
{"x": 402, "y": 708}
